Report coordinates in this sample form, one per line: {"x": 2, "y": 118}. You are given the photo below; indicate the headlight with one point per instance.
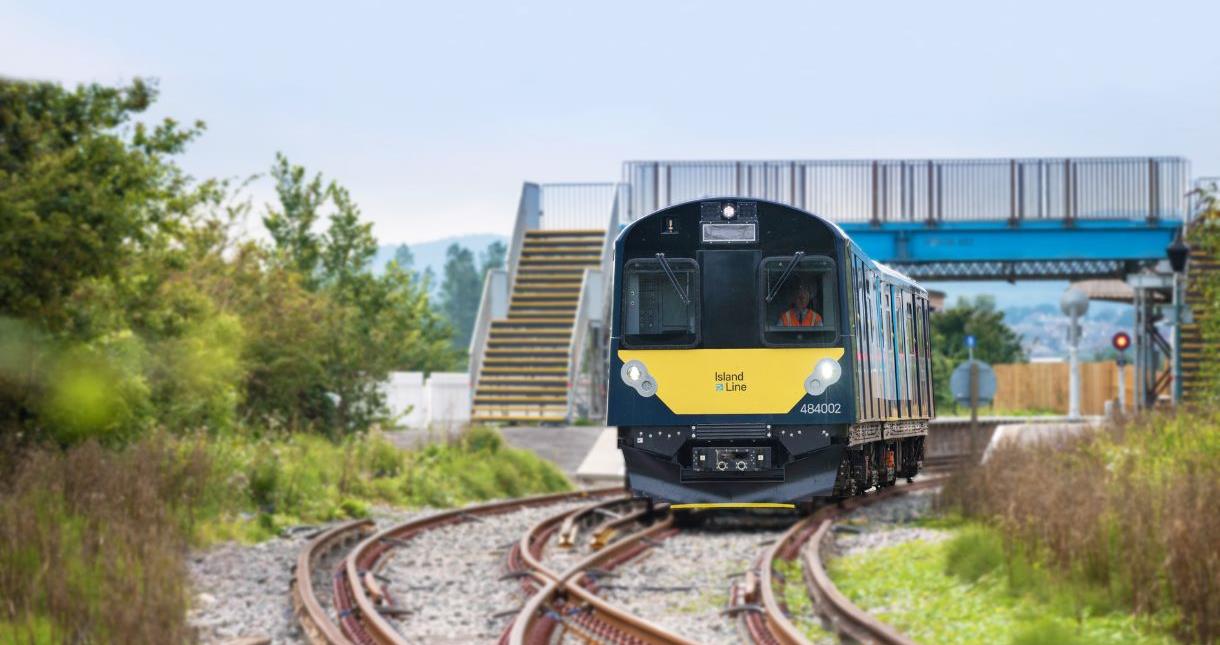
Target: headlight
{"x": 825, "y": 374}
{"x": 636, "y": 376}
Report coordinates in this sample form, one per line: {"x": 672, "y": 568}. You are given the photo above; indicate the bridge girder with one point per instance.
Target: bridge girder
{"x": 1032, "y": 250}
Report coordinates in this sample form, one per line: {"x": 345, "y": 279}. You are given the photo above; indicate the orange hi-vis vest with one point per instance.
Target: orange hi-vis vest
{"x": 807, "y": 318}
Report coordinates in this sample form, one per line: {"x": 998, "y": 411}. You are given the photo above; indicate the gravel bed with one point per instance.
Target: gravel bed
{"x": 441, "y": 577}
{"x": 884, "y": 524}
{"x": 683, "y": 583}
{"x": 241, "y": 590}
{"x": 449, "y": 578}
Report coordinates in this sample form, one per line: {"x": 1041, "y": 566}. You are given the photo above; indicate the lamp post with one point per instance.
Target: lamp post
{"x": 1074, "y": 304}
{"x": 1178, "y": 253}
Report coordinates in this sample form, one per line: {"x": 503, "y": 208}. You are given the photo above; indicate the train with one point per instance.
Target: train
{"x": 759, "y": 357}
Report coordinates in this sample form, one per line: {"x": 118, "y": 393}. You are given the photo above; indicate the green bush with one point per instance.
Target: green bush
{"x": 301, "y": 479}
{"x": 1048, "y": 631}
{"x": 973, "y": 553}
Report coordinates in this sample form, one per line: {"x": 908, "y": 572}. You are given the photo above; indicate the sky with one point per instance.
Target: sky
{"x": 432, "y": 114}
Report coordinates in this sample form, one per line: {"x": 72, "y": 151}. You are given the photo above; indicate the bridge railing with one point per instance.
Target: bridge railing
{"x": 576, "y": 206}
{"x": 929, "y": 191}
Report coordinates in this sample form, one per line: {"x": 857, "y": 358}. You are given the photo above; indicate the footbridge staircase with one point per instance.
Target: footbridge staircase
{"x": 526, "y": 337}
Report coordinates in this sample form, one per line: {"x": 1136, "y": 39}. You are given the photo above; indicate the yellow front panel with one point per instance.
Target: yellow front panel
{"x": 730, "y": 381}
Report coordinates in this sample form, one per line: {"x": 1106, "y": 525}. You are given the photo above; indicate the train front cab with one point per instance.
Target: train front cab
{"x": 718, "y": 396}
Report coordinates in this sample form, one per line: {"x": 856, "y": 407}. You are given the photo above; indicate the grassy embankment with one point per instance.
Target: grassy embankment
{"x": 92, "y": 540}
{"x": 1110, "y": 537}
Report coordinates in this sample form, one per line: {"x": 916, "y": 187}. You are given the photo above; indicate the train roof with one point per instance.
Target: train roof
{"x": 880, "y": 267}
{"x": 737, "y": 198}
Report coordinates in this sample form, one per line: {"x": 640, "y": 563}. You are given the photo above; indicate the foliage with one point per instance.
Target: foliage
{"x": 81, "y": 190}
{"x": 128, "y": 303}
{"x": 370, "y": 324}
{"x": 1205, "y": 236}
{"x": 404, "y": 257}
{"x": 303, "y": 478}
{"x": 91, "y": 538}
{"x": 995, "y": 342}
{"x": 945, "y": 592}
{"x": 91, "y": 542}
{"x": 462, "y": 287}
{"x": 1125, "y": 510}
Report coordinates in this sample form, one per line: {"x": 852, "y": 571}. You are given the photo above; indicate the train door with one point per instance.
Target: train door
{"x": 730, "y": 298}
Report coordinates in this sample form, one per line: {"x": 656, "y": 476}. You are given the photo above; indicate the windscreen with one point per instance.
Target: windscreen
{"x": 799, "y": 299}
{"x": 661, "y": 308}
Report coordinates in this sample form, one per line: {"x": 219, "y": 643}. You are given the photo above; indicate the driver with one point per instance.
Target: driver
{"x": 801, "y": 314}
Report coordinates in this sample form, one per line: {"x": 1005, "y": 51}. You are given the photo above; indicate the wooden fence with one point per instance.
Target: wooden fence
{"x": 1044, "y": 386}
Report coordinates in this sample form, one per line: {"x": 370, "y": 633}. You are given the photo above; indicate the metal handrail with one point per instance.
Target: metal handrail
{"x": 928, "y": 190}
{"x": 529, "y": 213}
{"x": 482, "y": 324}
{"x": 589, "y": 283}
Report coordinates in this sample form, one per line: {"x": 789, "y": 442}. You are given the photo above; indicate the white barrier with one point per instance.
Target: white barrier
{"x": 442, "y": 400}
{"x": 448, "y": 397}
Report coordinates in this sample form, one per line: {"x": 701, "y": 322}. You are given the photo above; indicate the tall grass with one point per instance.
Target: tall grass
{"x": 1130, "y": 509}
{"x": 91, "y": 544}
{"x": 93, "y": 539}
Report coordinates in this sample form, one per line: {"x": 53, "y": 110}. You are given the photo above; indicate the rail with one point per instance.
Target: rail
{"x": 315, "y": 622}
{"x": 524, "y": 627}
{"x": 771, "y": 623}
{"x": 360, "y": 600}
{"x": 929, "y": 191}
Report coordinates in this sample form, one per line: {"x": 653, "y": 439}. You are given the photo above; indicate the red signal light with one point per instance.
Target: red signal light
{"x": 1121, "y": 341}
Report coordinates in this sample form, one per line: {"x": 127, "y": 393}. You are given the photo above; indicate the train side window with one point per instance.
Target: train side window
{"x": 803, "y": 306}
{"x": 866, "y": 333}
{"x": 929, "y": 394}
{"x": 875, "y": 355}
{"x": 655, "y": 313}
{"x": 861, "y": 368}
{"x": 925, "y": 332}
{"x": 913, "y": 385}
{"x": 917, "y": 352}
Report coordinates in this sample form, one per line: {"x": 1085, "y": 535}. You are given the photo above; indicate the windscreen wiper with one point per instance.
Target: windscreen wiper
{"x": 673, "y": 278}
{"x": 783, "y": 277}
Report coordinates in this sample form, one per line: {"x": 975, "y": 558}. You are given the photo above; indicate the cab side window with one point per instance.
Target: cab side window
{"x": 661, "y": 303}
{"x": 799, "y": 300}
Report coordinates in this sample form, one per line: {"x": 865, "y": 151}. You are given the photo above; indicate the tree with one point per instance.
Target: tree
{"x": 97, "y": 224}
{"x": 404, "y": 258}
{"x": 292, "y": 225}
{"x": 492, "y": 257}
{"x": 77, "y": 197}
{"x": 128, "y": 303}
{"x": 461, "y": 293}
{"x": 995, "y": 342}
{"x": 364, "y": 325}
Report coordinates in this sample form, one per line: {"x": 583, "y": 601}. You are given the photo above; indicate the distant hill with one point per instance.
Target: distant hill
{"x": 1043, "y": 328}
{"x": 432, "y": 254}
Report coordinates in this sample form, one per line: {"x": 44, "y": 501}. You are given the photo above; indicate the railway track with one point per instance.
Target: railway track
{"x": 765, "y": 617}
{"x": 564, "y": 600}
{"x": 361, "y": 600}
{"x": 568, "y": 599}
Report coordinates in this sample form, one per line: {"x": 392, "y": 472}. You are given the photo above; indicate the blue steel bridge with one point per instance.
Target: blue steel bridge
{"x": 538, "y": 347}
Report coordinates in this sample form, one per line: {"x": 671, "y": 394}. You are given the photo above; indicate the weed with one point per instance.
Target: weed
{"x": 973, "y": 553}
{"x": 1128, "y": 510}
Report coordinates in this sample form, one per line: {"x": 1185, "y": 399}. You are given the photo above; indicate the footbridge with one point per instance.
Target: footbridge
{"x": 538, "y": 348}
